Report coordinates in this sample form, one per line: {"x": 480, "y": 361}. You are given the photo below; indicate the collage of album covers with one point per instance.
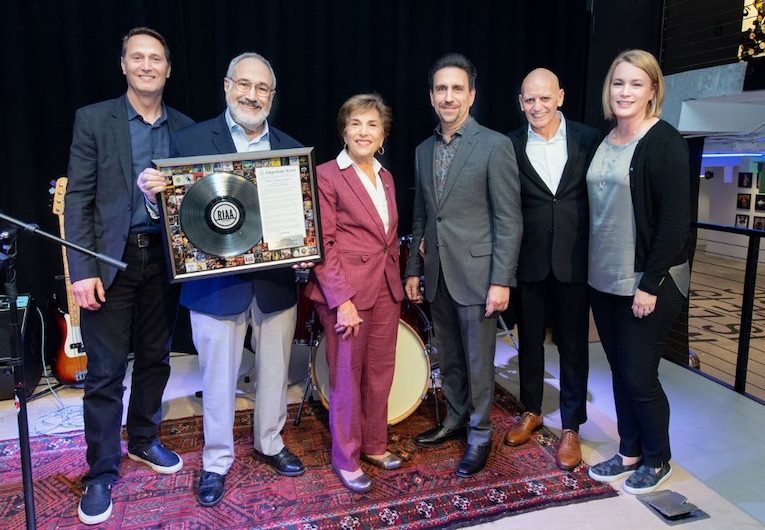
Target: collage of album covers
{"x": 248, "y": 211}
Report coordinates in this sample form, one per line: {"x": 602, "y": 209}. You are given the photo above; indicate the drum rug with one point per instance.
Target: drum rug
{"x": 423, "y": 493}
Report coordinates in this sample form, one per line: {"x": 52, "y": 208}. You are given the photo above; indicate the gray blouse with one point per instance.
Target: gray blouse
{"x": 612, "y": 224}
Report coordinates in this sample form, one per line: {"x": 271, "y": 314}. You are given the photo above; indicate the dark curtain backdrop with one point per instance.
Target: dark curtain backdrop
{"x": 60, "y": 55}
{"x": 56, "y": 56}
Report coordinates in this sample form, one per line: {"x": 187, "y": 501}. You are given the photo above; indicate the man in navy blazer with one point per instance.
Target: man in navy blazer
{"x": 467, "y": 225}
{"x": 113, "y": 142}
{"x": 222, "y": 307}
{"x": 553, "y": 156}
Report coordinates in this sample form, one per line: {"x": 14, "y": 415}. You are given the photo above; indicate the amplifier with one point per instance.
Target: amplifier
{"x": 29, "y": 321}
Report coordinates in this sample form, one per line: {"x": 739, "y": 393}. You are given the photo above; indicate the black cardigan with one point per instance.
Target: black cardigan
{"x": 660, "y": 186}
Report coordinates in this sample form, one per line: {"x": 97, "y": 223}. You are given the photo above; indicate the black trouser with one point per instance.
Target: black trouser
{"x": 140, "y": 304}
{"x": 634, "y": 347}
{"x": 568, "y": 305}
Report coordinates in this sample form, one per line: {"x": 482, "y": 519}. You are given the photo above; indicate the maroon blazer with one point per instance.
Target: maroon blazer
{"x": 360, "y": 259}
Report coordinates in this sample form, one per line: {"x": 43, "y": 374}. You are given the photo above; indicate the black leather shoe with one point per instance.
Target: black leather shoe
{"x": 284, "y": 462}
{"x": 211, "y": 488}
{"x": 439, "y": 435}
{"x": 474, "y": 460}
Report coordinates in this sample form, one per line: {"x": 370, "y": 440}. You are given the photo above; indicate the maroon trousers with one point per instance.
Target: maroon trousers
{"x": 360, "y": 376}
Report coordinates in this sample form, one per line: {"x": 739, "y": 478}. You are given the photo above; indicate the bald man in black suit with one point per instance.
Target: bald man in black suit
{"x": 553, "y": 156}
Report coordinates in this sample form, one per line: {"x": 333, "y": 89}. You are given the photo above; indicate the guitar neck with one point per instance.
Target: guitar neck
{"x": 74, "y": 310}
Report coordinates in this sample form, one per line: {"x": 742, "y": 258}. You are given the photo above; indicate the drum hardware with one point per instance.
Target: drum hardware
{"x": 314, "y": 346}
{"x": 505, "y": 331}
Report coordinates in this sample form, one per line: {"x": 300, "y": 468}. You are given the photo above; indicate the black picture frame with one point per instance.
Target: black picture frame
{"x": 759, "y": 202}
{"x": 274, "y": 224}
{"x": 744, "y": 201}
{"x": 745, "y": 179}
{"x": 742, "y": 221}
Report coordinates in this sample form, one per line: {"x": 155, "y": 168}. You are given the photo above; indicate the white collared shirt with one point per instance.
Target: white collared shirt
{"x": 262, "y": 142}
{"x": 549, "y": 157}
{"x": 376, "y": 192}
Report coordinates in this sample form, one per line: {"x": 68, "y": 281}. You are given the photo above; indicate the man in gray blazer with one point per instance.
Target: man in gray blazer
{"x": 467, "y": 226}
{"x": 113, "y": 142}
{"x": 553, "y": 156}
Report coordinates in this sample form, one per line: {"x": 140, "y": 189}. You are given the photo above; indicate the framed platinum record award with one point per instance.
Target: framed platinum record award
{"x": 239, "y": 212}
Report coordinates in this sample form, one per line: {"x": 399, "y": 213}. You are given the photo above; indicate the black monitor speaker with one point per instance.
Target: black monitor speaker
{"x": 31, "y": 334}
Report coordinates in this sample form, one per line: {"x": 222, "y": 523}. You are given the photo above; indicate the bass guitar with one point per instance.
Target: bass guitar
{"x": 71, "y": 364}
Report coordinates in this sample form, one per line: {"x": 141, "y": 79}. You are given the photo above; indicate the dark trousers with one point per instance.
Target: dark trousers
{"x": 568, "y": 305}
{"x": 466, "y": 341}
{"x": 140, "y": 304}
{"x": 634, "y": 347}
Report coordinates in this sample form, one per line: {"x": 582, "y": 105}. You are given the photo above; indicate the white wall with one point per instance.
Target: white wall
{"x": 718, "y": 205}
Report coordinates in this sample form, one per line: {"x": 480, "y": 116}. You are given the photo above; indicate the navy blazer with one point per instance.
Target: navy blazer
{"x": 101, "y": 185}
{"x": 556, "y": 226}
{"x": 230, "y": 295}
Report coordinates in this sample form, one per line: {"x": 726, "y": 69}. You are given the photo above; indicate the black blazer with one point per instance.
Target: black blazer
{"x": 101, "y": 185}
{"x": 556, "y": 226}
{"x": 230, "y": 295}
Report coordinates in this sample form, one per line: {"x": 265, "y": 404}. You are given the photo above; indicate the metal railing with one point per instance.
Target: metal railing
{"x": 726, "y": 270}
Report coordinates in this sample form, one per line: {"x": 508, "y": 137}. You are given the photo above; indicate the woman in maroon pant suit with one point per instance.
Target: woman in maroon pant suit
{"x": 357, "y": 290}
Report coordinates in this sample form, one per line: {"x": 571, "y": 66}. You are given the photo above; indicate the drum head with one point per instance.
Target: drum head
{"x": 410, "y": 378}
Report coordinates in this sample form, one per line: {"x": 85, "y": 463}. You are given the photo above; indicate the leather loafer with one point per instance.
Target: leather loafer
{"x": 284, "y": 462}
{"x": 521, "y": 433}
{"x": 211, "y": 488}
{"x": 474, "y": 460}
{"x": 439, "y": 435}
{"x": 388, "y": 462}
{"x": 360, "y": 484}
{"x": 569, "y": 450}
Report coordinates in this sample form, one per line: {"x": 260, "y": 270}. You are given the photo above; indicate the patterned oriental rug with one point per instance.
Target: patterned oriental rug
{"x": 424, "y": 493}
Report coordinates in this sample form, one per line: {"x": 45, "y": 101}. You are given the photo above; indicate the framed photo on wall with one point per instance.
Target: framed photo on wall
{"x": 743, "y": 201}
{"x": 239, "y": 212}
{"x": 742, "y": 221}
{"x": 745, "y": 180}
{"x": 759, "y": 223}
{"x": 759, "y": 203}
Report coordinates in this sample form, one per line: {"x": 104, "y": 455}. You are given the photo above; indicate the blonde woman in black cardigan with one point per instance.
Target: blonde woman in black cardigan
{"x": 639, "y": 191}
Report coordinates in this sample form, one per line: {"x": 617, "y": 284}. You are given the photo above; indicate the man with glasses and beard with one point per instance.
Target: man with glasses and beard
{"x": 222, "y": 307}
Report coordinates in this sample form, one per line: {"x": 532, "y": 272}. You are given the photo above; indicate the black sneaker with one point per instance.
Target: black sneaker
{"x": 612, "y": 469}
{"x": 159, "y": 458}
{"x": 646, "y": 479}
{"x": 96, "y": 504}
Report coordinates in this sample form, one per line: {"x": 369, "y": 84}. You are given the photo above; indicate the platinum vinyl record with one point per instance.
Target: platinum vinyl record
{"x": 220, "y": 215}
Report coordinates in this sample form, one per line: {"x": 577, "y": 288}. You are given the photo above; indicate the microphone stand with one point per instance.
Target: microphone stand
{"x": 16, "y": 359}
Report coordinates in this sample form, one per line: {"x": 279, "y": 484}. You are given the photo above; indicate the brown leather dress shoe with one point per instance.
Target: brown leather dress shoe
{"x": 569, "y": 451}
{"x": 521, "y": 433}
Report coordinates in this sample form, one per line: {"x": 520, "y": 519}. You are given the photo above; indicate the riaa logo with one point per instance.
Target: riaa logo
{"x": 225, "y": 215}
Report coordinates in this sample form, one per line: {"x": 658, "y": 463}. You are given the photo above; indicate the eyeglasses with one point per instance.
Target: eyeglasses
{"x": 244, "y": 86}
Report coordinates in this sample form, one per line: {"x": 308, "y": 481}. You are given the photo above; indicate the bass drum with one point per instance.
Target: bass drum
{"x": 410, "y": 376}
